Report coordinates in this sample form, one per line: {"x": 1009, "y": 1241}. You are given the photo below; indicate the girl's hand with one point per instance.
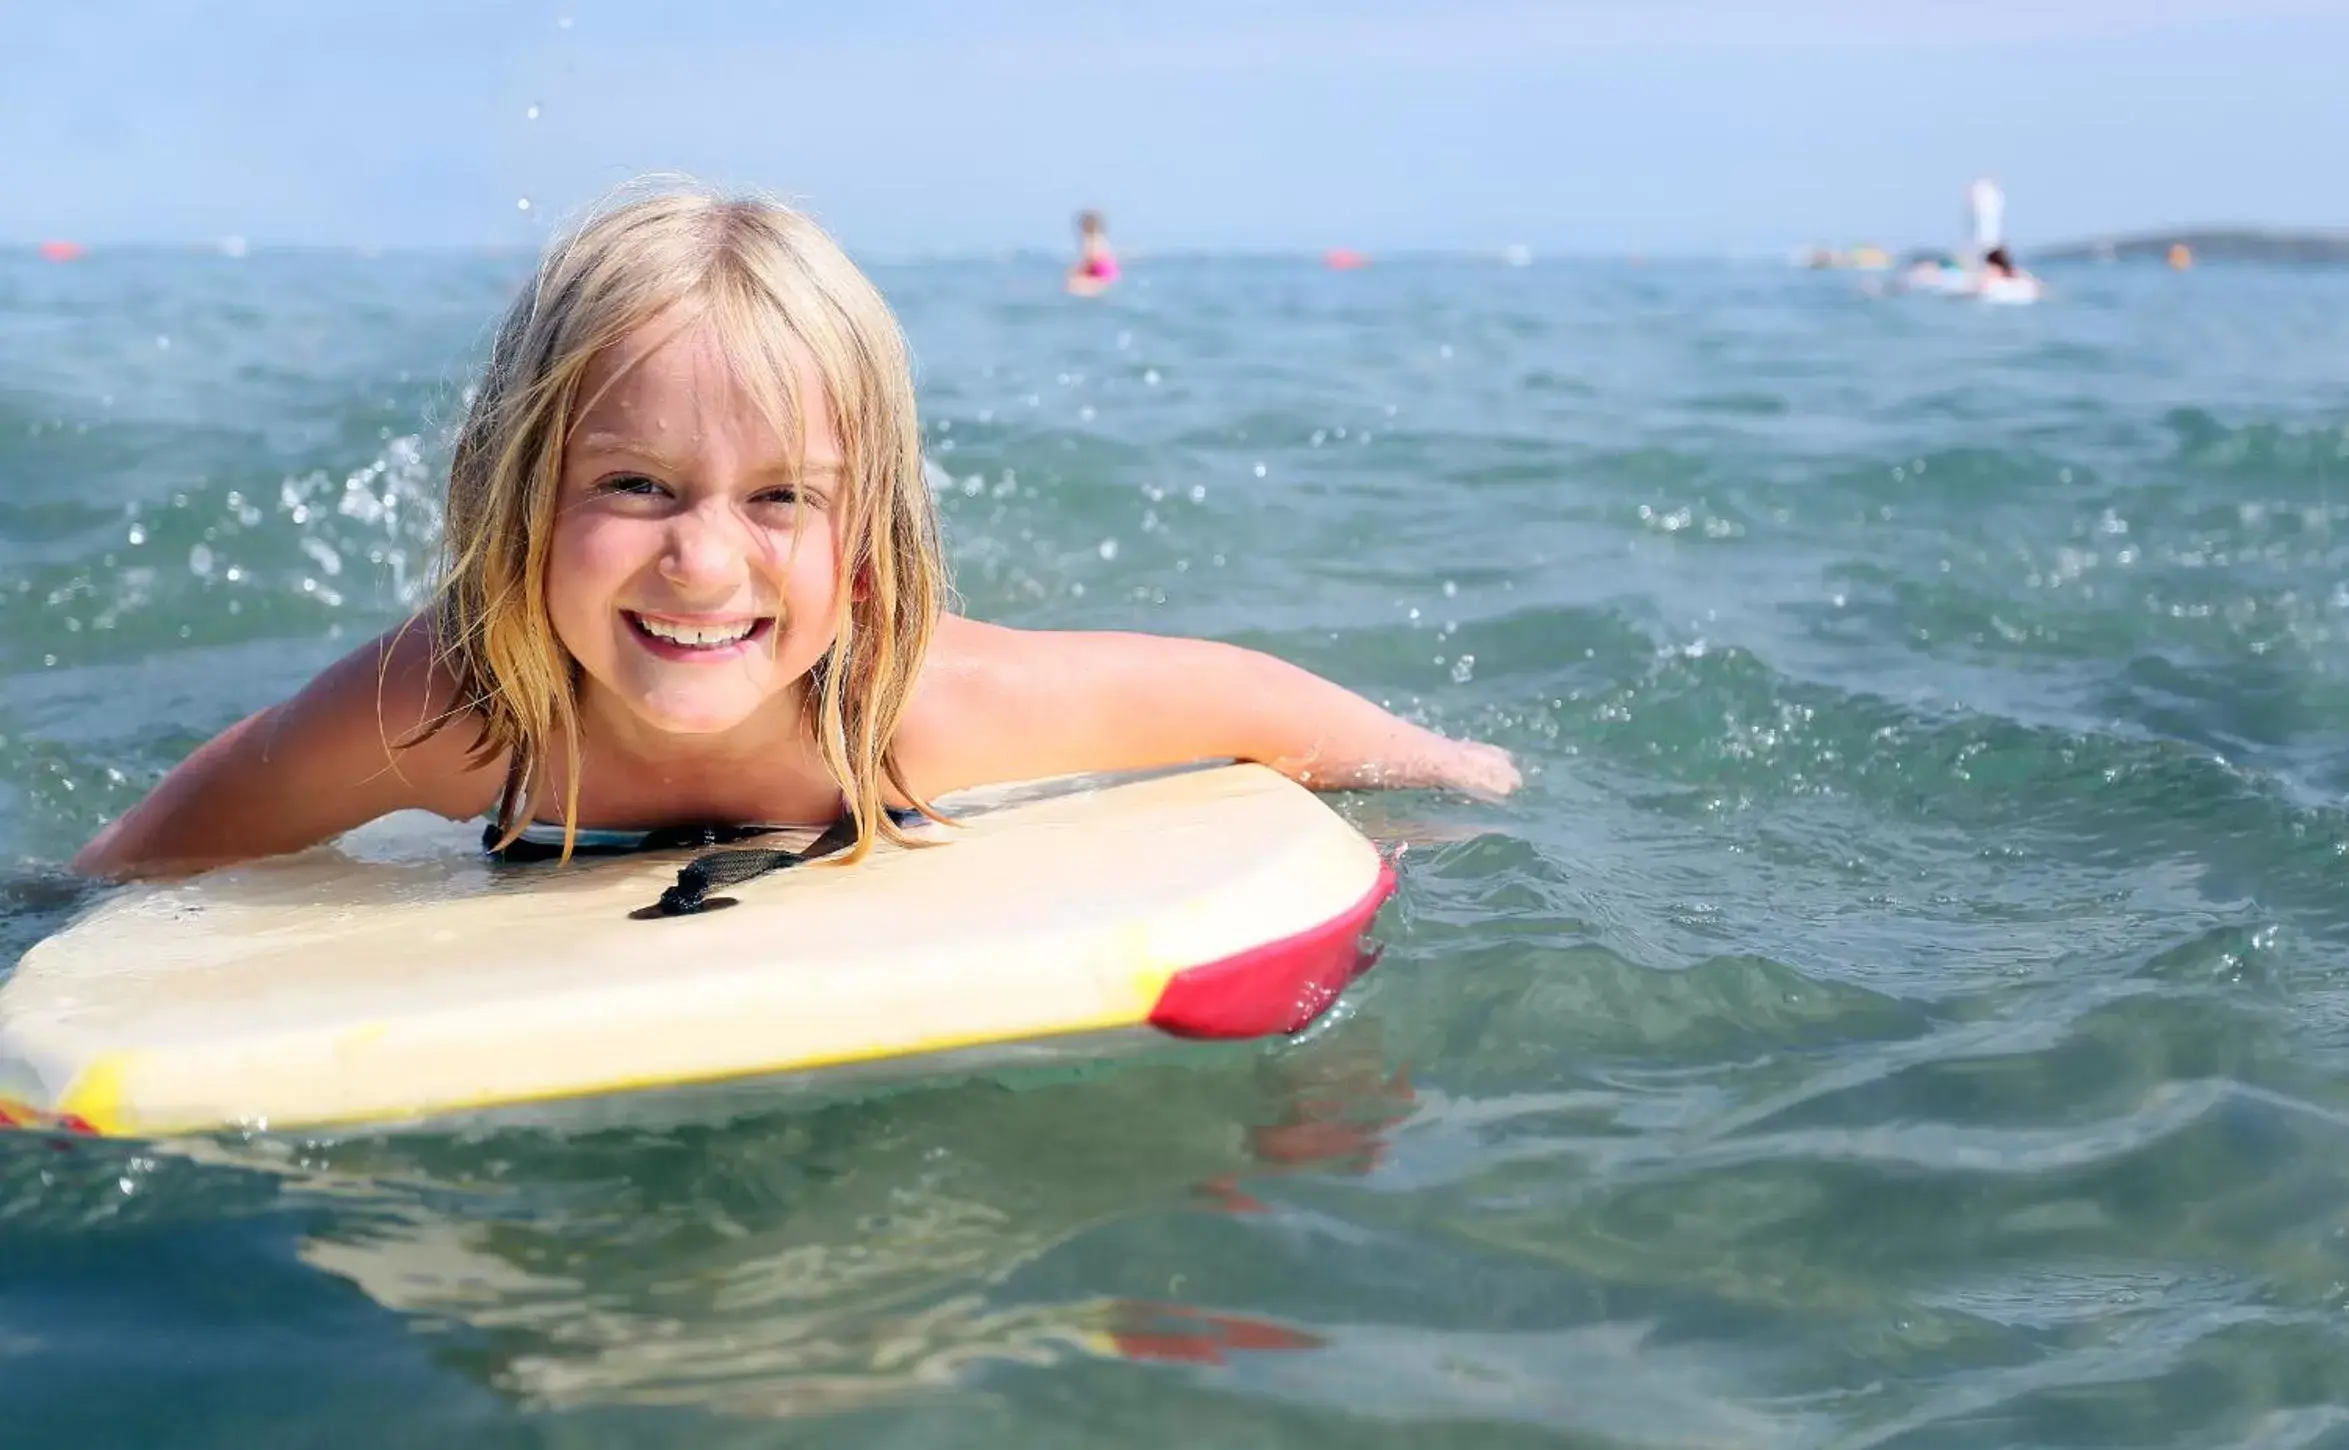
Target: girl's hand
{"x": 1481, "y": 770}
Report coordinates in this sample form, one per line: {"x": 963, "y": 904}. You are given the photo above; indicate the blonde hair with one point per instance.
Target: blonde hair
{"x": 774, "y": 290}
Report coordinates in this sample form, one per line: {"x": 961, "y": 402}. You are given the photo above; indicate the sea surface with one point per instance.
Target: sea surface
{"x": 1908, "y": 1004}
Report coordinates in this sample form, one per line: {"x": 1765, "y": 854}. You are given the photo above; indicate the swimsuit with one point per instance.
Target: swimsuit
{"x": 1103, "y": 268}
{"x": 543, "y": 840}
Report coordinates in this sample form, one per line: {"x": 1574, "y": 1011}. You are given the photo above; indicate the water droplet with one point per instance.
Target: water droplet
{"x": 1260, "y": 470}
{"x": 522, "y": 203}
{"x": 531, "y": 114}
{"x": 1109, "y": 548}
{"x": 200, "y": 562}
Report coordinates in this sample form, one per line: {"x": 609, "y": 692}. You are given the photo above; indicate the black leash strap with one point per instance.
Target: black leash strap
{"x": 732, "y": 867}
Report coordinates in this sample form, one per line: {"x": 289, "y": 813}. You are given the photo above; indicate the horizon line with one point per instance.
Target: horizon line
{"x": 232, "y": 248}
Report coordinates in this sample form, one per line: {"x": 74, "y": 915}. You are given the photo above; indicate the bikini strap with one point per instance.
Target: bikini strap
{"x": 691, "y": 894}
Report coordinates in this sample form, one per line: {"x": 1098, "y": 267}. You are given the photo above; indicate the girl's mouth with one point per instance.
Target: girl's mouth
{"x": 698, "y": 639}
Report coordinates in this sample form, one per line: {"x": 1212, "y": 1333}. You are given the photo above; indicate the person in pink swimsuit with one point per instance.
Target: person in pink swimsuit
{"x": 1096, "y": 265}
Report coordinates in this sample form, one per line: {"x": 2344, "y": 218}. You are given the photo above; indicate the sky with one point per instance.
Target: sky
{"x": 916, "y": 127}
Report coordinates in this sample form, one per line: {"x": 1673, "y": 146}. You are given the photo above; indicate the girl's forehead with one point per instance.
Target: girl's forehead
{"x": 676, "y": 375}
{"x": 673, "y": 351}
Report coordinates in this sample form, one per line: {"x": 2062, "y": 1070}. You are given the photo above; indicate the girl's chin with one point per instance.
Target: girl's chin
{"x": 681, "y": 718}
{"x": 703, "y": 702}
{"x": 695, "y": 711}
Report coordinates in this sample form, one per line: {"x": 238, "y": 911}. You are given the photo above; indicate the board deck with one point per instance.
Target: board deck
{"x": 318, "y": 990}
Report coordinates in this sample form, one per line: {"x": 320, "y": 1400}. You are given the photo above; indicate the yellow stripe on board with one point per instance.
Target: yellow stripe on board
{"x": 96, "y": 1095}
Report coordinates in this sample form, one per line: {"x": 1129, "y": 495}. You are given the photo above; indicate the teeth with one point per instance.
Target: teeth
{"x": 701, "y": 637}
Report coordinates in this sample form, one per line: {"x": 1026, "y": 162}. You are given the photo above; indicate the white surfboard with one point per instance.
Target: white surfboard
{"x": 317, "y": 990}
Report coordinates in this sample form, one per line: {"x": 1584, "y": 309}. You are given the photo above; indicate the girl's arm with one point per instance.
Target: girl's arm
{"x": 303, "y": 771}
{"x": 1002, "y": 704}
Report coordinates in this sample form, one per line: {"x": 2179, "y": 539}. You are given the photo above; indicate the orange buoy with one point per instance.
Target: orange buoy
{"x": 1343, "y": 259}
{"x": 2181, "y": 256}
{"x": 61, "y": 251}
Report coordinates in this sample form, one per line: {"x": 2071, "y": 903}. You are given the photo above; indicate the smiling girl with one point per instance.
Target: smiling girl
{"x": 691, "y": 574}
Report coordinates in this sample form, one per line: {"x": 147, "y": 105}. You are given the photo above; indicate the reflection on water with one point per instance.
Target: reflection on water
{"x": 880, "y": 1253}
{"x": 849, "y": 1255}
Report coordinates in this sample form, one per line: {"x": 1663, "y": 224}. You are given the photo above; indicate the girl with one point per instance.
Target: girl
{"x": 691, "y": 574}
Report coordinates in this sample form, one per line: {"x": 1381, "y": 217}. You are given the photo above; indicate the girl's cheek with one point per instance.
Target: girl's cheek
{"x": 604, "y": 547}
{"x": 785, "y": 552}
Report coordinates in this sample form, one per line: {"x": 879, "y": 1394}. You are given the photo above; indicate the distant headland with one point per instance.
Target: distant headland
{"x": 2207, "y": 244}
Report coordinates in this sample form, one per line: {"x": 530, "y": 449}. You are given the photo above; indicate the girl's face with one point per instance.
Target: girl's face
{"x": 694, "y": 558}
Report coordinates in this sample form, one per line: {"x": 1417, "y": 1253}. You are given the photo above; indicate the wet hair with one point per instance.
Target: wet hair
{"x": 1088, "y": 222}
{"x": 780, "y": 297}
{"x": 1999, "y": 258}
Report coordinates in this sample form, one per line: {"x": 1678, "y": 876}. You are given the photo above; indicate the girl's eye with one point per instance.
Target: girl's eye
{"x": 785, "y": 497}
{"x": 635, "y": 484}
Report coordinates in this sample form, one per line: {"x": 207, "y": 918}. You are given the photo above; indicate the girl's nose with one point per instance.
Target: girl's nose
{"x": 702, "y": 556}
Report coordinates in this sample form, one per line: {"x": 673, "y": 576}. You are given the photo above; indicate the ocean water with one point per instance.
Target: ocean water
{"x": 1908, "y": 1004}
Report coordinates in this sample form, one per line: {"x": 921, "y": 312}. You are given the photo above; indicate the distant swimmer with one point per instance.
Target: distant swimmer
{"x": 1934, "y": 272}
{"x": 1096, "y": 264}
{"x": 1986, "y": 216}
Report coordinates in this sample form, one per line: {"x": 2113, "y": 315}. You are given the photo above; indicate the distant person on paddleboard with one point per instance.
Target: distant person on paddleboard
{"x": 1095, "y": 270}
{"x": 691, "y": 574}
{"x": 2003, "y": 281}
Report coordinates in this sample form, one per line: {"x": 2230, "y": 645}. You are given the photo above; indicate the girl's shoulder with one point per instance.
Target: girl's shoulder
{"x": 996, "y": 703}
{"x": 962, "y": 702}
{"x": 962, "y": 670}
{"x": 399, "y": 696}
{"x": 382, "y": 729}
